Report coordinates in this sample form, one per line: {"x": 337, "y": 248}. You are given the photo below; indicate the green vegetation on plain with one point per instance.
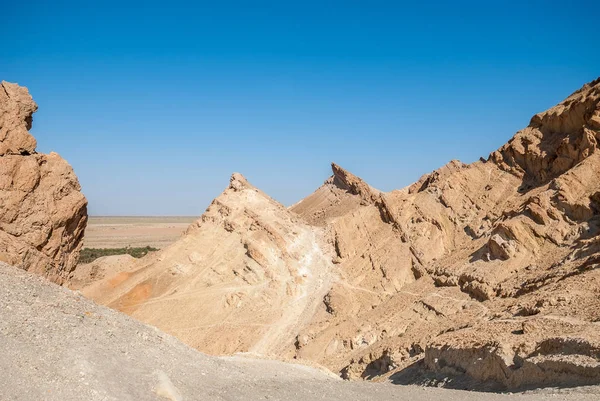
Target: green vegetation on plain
{"x": 88, "y": 255}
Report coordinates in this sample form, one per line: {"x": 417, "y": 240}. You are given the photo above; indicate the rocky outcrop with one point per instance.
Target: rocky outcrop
{"x": 353, "y": 184}
{"x": 519, "y": 355}
{"x": 555, "y": 140}
{"x": 43, "y": 213}
{"x": 16, "y": 110}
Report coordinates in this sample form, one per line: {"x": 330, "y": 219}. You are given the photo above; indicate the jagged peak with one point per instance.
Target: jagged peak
{"x": 344, "y": 179}
{"x": 342, "y": 174}
{"x": 238, "y": 182}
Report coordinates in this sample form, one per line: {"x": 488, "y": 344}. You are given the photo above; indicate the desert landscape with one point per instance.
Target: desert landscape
{"x": 134, "y": 231}
{"x": 314, "y": 200}
{"x": 480, "y": 277}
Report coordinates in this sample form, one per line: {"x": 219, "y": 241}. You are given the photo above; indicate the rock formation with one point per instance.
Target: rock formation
{"x": 42, "y": 211}
{"x": 482, "y": 275}
{"x": 248, "y": 265}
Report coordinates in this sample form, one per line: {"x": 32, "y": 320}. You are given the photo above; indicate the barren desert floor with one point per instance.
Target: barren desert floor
{"x": 134, "y": 231}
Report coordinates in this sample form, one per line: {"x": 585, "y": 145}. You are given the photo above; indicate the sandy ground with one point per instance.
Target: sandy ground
{"x": 119, "y": 232}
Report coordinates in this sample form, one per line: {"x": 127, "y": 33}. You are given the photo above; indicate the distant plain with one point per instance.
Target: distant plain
{"x": 134, "y": 231}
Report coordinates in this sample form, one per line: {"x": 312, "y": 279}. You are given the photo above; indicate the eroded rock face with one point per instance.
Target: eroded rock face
{"x": 16, "y": 110}
{"x": 42, "y": 211}
{"x": 488, "y": 271}
{"x": 556, "y": 139}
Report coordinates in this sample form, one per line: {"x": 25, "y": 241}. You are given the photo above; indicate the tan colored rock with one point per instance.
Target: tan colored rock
{"x": 555, "y": 140}
{"x": 42, "y": 211}
{"x": 16, "y": 110}
{"x": 500, "y": 248}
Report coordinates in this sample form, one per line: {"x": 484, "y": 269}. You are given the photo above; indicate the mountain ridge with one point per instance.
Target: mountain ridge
{"x": 407, "y": 281}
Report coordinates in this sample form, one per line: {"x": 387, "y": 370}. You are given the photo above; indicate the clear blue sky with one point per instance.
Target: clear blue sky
{"x": 155, "y": 104}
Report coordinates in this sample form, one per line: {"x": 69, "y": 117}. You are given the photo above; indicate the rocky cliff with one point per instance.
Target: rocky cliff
{"x": 42, "y": 211}
{"x": 482, "y": 275}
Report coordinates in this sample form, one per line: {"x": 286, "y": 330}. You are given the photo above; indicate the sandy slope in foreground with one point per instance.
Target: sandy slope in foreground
{"x": 57, "y": 345}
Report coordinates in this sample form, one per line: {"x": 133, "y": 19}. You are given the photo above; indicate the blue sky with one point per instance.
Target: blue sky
{"x": 155, "y": 104}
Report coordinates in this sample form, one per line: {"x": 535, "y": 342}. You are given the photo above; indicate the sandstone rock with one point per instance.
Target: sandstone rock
{"x": 500, "y": 248}
{"x": 42, "y": 211}
{"x": 353, "y": 184}
{"x": 555, "y": 140}
{"x": 16, "y": 110}
{"x": 555, "y": 354}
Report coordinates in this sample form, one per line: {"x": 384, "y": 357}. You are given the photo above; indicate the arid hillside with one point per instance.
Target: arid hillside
{"x": 481, "y": 276}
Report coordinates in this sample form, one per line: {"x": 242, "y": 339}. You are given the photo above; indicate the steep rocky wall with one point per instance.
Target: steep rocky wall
{"x": 42, "y": 211}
